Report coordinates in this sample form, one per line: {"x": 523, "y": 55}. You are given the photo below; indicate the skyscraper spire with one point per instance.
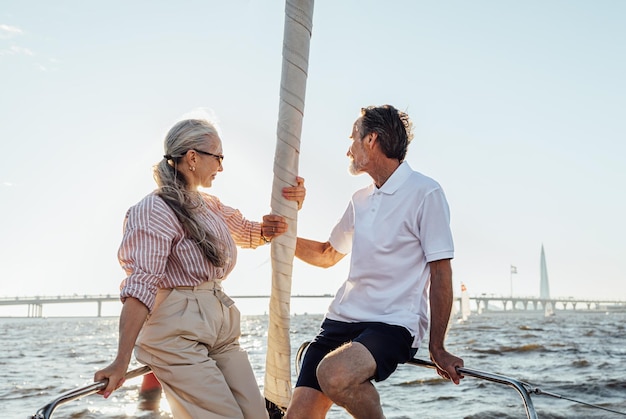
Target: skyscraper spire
{"x": 544, "y": 291}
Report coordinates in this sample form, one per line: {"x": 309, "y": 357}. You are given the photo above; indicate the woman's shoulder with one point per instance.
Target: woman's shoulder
{"x": 150, "y": 201}
{"x": 151, "y": 206}
{"x": 211, "y": 200}
{"x": 152, "y": 215}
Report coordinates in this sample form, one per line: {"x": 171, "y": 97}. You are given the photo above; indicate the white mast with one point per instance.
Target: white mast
{"x": 297, "y": 36}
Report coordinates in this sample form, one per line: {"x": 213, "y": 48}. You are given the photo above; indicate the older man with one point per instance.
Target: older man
{"x": 398, "y": 231}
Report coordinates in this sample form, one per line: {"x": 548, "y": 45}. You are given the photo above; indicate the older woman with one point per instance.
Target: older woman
{"x": 179, "y": 244}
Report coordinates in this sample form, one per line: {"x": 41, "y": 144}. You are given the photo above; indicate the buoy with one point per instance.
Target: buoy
{"x": 150, "y": 393}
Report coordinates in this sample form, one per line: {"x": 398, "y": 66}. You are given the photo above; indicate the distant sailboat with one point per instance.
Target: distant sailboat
{"x": 456, "y": 315}
{"x": 465, "y": 303}
{"x": 548, "y": 309}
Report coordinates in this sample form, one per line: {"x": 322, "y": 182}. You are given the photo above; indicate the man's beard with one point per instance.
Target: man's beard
{"x": 356, "y": 169}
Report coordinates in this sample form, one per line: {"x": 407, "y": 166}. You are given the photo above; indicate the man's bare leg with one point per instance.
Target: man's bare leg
{"x": 344, "y": 376}
{"x": 308, "y": 403}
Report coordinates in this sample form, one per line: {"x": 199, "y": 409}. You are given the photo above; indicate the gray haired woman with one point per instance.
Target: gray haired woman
{"x": 179, "y": 244}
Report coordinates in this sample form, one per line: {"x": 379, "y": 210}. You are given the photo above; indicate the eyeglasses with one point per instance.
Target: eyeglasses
{"x": 219, "y": 157}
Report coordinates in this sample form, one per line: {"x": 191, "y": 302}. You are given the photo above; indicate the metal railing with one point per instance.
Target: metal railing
{"x": 525, "y": 390}
{"x": 46, "y": 411}
{"x": 522, "y": 388}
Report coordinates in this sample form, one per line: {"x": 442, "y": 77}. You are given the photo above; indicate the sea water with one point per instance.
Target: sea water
{"x": 576, "y": 354}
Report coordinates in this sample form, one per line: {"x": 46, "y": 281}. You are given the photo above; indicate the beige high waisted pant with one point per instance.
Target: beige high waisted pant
{"x": 191, "y": 342}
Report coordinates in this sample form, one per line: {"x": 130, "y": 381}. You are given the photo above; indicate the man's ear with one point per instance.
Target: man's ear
{"x": 371, "y": 140}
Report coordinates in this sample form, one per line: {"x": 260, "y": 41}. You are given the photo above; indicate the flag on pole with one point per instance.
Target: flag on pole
{"x": 513, "y": 269}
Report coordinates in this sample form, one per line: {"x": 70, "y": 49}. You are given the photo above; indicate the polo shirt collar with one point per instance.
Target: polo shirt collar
{"x": 397, "y": 178}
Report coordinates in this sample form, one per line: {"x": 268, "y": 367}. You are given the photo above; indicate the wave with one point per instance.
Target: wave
{"x": 504, "y": 349}
{"x": 499, "y": 414}
{"x": 535, "y": 329}
{"x": 423, "y": 381}
{"x": 19, "y": 392}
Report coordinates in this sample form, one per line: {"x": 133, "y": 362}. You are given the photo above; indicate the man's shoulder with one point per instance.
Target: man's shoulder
{"x": 364, "y": 191}
{"x": 419, "y": 180}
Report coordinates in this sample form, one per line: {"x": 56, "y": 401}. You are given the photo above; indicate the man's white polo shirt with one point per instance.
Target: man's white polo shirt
{"x": 392, "y": 232}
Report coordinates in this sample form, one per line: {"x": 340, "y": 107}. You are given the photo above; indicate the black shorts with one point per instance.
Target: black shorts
{"x": 389, "y": 345}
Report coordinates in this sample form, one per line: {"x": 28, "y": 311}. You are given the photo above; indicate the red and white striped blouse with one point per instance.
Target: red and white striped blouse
{"x": 155, "y": 252}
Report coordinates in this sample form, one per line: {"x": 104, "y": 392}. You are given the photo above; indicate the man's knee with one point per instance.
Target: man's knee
{"x": 350, "y": 365}
{"x": 331, "y": 378}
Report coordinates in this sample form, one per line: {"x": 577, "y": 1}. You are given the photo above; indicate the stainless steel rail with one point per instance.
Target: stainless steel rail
{"x": 46, "y": 411}
{"x": 522, "y": 388}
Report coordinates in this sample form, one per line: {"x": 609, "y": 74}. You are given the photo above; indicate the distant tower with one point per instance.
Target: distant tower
{"x": 545, "y": 286}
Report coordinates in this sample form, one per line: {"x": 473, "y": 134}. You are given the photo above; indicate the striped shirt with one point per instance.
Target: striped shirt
{"x": 156, "y": 253}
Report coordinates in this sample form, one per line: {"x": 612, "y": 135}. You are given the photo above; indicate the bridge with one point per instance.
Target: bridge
{"x": 480, "y": 303}
{"x": 485, "y": 302}
{"x": 35, "y": 304}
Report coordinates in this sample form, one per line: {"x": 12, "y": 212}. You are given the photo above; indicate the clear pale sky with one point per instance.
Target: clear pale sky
{"x": 519, "y": 112}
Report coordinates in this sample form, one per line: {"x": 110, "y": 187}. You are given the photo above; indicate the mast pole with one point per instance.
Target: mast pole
{"x": 297, "y": 35}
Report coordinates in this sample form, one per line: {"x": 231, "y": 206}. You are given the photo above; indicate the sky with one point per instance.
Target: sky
{"x": 519, "y": 112}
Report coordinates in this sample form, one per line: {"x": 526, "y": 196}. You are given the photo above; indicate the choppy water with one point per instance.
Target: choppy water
{"x": 579, "y": 355}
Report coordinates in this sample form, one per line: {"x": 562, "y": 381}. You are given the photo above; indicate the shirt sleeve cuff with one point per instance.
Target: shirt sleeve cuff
{"x": 255, "y": 235}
